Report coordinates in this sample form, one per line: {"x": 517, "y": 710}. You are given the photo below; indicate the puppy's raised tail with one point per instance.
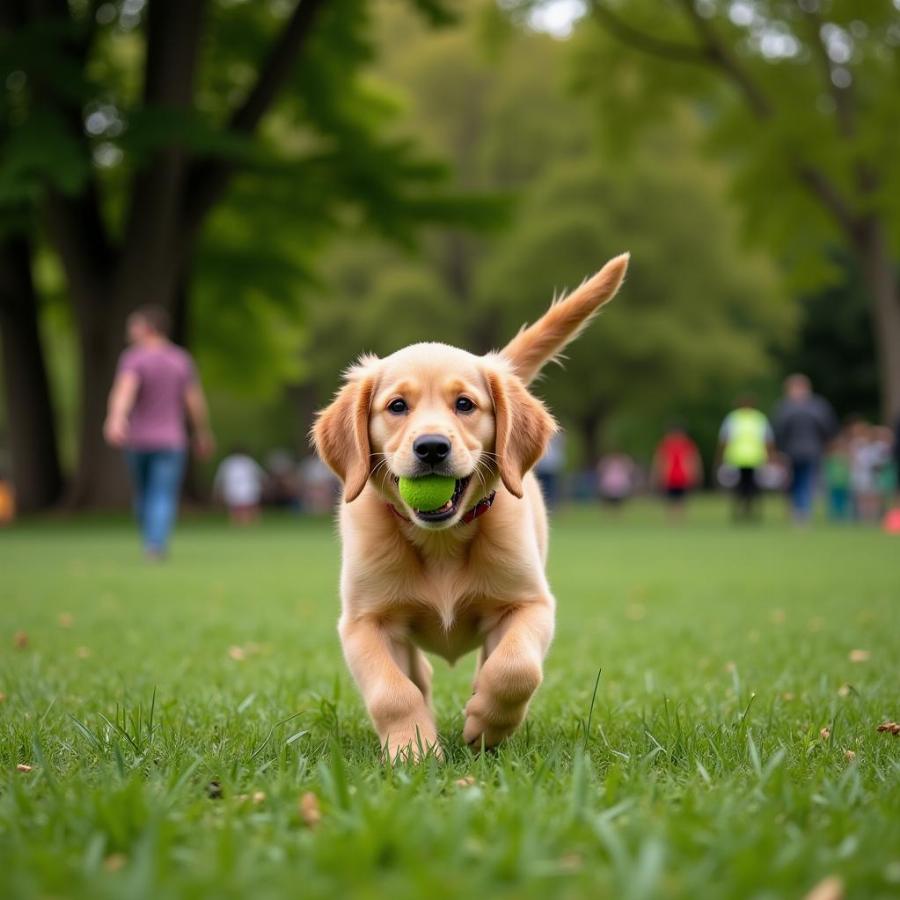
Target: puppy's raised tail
{"x": 533, "y": 347}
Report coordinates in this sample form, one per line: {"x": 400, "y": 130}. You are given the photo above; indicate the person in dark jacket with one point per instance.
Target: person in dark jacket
{"x": 804, "y": 424}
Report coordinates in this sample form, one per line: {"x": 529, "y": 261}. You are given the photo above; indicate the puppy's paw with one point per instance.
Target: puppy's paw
{"x": 411, "y": 743}
{"x": 487, "y": 725}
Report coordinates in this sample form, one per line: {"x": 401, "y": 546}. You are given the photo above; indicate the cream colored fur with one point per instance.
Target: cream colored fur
{"x": 409, "y": 587}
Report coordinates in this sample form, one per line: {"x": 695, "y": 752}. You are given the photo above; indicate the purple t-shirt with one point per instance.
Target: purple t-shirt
{"x": 157, "y": 417}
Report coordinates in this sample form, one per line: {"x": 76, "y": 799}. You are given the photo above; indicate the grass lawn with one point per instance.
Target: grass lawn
{"x": 174, "y": 715}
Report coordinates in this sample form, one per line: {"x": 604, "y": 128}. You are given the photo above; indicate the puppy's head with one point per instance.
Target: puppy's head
{"x": 433, "y": 409}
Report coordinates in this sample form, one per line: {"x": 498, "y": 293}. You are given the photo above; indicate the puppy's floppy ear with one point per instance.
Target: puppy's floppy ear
{"x": 341, "y": 433}
{"x": 523, "y": 429}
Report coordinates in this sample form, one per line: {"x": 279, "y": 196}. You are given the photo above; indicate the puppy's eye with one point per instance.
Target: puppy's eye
{"x": 398, "y": 406}
{"x": 464, "y": 405}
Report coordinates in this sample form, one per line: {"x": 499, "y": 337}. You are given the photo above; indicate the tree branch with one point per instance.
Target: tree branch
{"x": 867, "y": 177}
{"x": 808, "y": 174}
{"x": 843, "y": 102}
{"x": 277, "y": 66}
{"x": 150, "y": 245}
{"x": 208, "y": 178}
{"x": 721, "y": 56}
{"x": 74, "y": 223}
{"x": 714, "y": 52}
{"x": 647, "y": 43}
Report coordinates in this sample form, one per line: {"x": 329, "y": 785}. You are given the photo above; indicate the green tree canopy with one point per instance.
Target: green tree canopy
{"x": 799, "y": 98}
{"x": 698, "y": 315}
{"x": 159, "y": 146}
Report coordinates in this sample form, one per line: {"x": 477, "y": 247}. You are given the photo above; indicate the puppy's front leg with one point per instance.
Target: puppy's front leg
{"x": 384, "y": 667}
{"x": 511, "y": 671}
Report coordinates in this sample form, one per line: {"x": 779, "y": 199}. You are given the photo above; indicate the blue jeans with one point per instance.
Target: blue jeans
{"x": 803, "y": 484}
{"x": 156, "y": 476}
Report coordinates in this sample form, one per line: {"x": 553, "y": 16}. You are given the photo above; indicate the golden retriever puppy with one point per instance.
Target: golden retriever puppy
{"x": 471, "y": 573}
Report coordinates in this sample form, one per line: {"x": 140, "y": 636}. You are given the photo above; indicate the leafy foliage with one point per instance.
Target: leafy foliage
{"x": 698, "y": 315}
{"x": 78, "y": 119}
{"x": 785, "y": 89}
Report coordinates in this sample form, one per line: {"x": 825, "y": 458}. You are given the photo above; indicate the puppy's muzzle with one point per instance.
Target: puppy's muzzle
{"x": 431, "y": 449}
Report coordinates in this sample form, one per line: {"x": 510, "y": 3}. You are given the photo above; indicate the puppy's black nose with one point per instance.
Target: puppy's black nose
{"x": 431, "y": 448}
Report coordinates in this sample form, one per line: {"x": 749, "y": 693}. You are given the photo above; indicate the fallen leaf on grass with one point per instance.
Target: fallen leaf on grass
{"x": 859, "y": 656}
{"x": 571, "y": 862}
{"x": 831, "y": 888}
{"x": 891, "y": 727}
{"x": 214, "y": 789}
{"x": 310, "y": 810}
{"x": 20, "y": 640}
{"x": 24, "y": 767}
{"x": 115, "y": 862}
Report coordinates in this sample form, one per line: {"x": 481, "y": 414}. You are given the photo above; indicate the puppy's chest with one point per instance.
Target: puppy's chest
{"x": 448, "y": 611}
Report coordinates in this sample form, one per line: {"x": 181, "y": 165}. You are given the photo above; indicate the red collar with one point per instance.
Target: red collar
{"x": 479, "y": 509}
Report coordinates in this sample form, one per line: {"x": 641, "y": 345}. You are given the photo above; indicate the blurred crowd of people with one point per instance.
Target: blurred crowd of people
{"x": 244, "y": 486}
{"x": 801, "y": 451}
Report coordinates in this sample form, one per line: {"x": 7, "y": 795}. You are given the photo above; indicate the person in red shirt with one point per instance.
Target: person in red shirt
{"x": 677, "y": 467}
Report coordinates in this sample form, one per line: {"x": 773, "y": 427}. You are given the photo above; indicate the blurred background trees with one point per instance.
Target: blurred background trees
{"x": 302, "y": 182}
{"x": 800, "y": 97}
{"x": 147, "y": 145}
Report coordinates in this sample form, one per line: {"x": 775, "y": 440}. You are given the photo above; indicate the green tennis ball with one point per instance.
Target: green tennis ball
{"x": 427, "y": 493}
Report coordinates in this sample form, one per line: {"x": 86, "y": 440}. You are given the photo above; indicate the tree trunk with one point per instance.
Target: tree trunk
{"x": 36, "y": 472}
{"x": 170, "y": 196}
{"x": 589, "y": 426}
{"x": 180, "y": 309}
{"x": 100, "y": 479}
{"x": 880, "y": 272}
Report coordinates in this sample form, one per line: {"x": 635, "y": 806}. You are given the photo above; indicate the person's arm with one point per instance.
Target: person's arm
{"x": 779, "y": 426}
{"x": 771, "y": 450}
{"x": 121, "y": 400}
{"x": 830, "y": 424}
{"x": 696, "y": 467}
{"x": 198, "y": 415}
{"x": 724, "y": 431}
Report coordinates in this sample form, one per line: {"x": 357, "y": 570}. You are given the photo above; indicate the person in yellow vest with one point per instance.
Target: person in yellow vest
{"x": 746, "y": 444}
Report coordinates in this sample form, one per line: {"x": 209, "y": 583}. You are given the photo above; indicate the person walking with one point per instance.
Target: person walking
{"x": 804, "y": 425}
{"x": 838, "y": 471}
{"x": 677, "y": 468}
{"x": 239, "y": 482}
{"x": 155, "y": 389}
{"x": 746, "y": 444}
